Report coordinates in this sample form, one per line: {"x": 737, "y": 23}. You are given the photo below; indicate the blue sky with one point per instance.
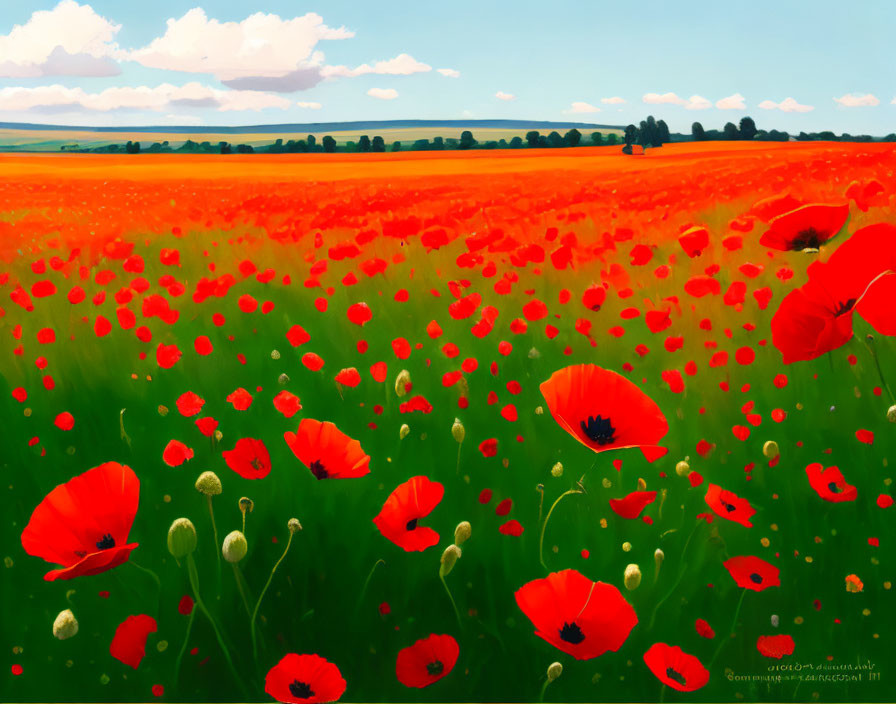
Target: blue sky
{"x": 790, "y": 64}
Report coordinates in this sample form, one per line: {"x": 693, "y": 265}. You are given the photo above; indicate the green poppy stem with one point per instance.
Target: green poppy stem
{"x": 681, "y": 571}
{"x": 459, "y": 445}
{"x": 453, "y": 604}
{"x": 194, "y": 583}
{"x": 733, "y": 628}
{"x": 183, "y": 648}
{"x": 367, "y": 583}
{"x": 254, "y": 614}
{"x": 239, "y": 585}
{"x": 544, "y": 688}
{"x": 548, "y": 518}
{"x": 869, "y": 343}
{"x": 211, "y": 513}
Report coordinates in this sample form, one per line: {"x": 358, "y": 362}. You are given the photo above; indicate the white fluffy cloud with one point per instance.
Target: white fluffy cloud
{"x": 401, "y": 65}
{"x": 309, "y": 106}
{"x": 857, "y": 101}
{"x": 664, "y": 99}
{"x": 383, "y": 93}
{"x": 262, "y": 51}
{"x": 580, "y": 107}
{"x": 732, "y": 102}
{"x": 501, "y": 95}
{"x": 57, "y": 98}
{"x": 697, "y": 102}
{"x": 615, "y": 100}
{"x": 69, "y": 40}
{"x": 786, "y": 105}
{"x": 449, "y": 72}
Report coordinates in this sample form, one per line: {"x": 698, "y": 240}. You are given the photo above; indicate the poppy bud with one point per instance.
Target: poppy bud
{"x": 404, "y": 431}
{"x": 626, "y": 546}
{"x": 401, "y": 382}
{"x": 775, "y": 620}
{"x": 283, "y": 379}
{"x": 462, "y": 533}
{"x": 246, "y": 505}
{"x": 658, "y": 557}
{"x": 294, "y": 525}
{"x": 539, "y": 488}
{"x": 235, "y": 546}
{"x": 219, "y": 436}
{"x": 66, "y": 625}
{"x": 208, "y": 484}
{"x": 181, "y": 538}
{"x": 682, "y": 469}
{"x": 458, "y": 431}
{"x": 642, "y": 485}
{"x": 539, "y": 411}
{"x": 449, "y": 557}
{"x": 770, "y": 449}
{"x": 534, "y": 353}
{"x": 163, "y": 411}
{"x": 891, "y": 414}
{"x": 555, "y": 669}
{"x": 632, "y": 577}
{"x": 854, "y": 584}
{"x": 557, "y": 470}
{"x": 275, "y": 354}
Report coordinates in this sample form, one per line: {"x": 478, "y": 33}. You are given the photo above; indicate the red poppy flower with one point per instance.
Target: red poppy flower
{"x": 426, "y": 661}
{"x": 602, "y": 409}
{"x": 582, "y": 618}
{"x": 632, "y": 505}
{"x": 815, "y": 318}
{"x": 304, "y": 679}
{"x": 327, "y": 451}
{"x": 129, "y": 643}
{"x": 775, "y": 646}
{"x": 176, "y": 453}
{"x": 752, "y": 572}
{"x": 675, "y": 668}
{"x": 411, "y": 501}
{"x": 829, "y": 483}
{"x": 728, "y": 505}
{"x": 83, "y": 524}
{"x": 809, "y": 226}
{"x": 249, "y": 458}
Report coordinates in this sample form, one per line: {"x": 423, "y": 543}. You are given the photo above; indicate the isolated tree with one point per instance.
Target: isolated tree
{"x": 597, "y": 139}
{"x": 644, "y": 134}
{"x": 698, "y": 133}
{"x": 466, "y": 140}
{"x": 532, "y": 138}
{"x": 572, "y": 138}
{"x": 364, "y": 143}
{"x": 729, "y": 132}
{"x": 747, "y": 128}
{"x": 662, "y": 130}
{"x": 329, "y": 144}
{"x": 631, "y": 135}
{"x": 378, "y": 144}
{"x": 651, "y": 136}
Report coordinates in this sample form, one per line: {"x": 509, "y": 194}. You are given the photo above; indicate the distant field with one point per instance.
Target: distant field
{"x": 54, "y": 140}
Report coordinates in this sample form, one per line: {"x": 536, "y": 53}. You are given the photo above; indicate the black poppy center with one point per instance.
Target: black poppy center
{"x": 755, "y": 578}
{"x": 844, "y": 307}
{"x": 729, "y": 507}
{"x": 834, "y": 488}
{"x": 106, "y": 542}
{"x": 571, "y": 633}
{"x": 598, "y": 429}
{"x": 411, "y": 524}
{"x": 435, "y": 667}
{"x": 807, "y": 239}
{"x": 318, "y": 470}
{"x": 675, "y": 675}
{"x": 300, "y": 690}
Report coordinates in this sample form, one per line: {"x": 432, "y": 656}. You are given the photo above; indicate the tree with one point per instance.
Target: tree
{"x": 244, "y": 149}
{"x": 631, "y": 135}
{"x": 572, "y": 138}
{"x": 396, "y": 146}
{"x": 224, "y": 147}
{"x": 652, "y": 137}
{"x": 662, "y": 130}
{"x": 132, "y": 147}
{"x": 329, "y": 144}
{"x": 747, "y": 128}
{"x": 729, "y": 132}
{"x": 378, "y": 144}
{"x": 516, "y": 142}
{"x": 421, "y": 145}
{"x": 612, "y": 139}
{"x": 644, "y": 134}
{"x": 466, "y": 140}
{"x": 311, "y": 142}
{"x": 597, "y": 139}
{"x": 698, "y": 133}
{"x": 438, "y": 143}
{"x": 532, "y": 138}
{"x": 364, "y": 143}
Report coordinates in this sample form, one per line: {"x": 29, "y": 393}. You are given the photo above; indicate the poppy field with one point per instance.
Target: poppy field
{"x": 564, "y": 426}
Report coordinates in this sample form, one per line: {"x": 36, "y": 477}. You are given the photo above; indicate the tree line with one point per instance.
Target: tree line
{"x": 747, "y": 130}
